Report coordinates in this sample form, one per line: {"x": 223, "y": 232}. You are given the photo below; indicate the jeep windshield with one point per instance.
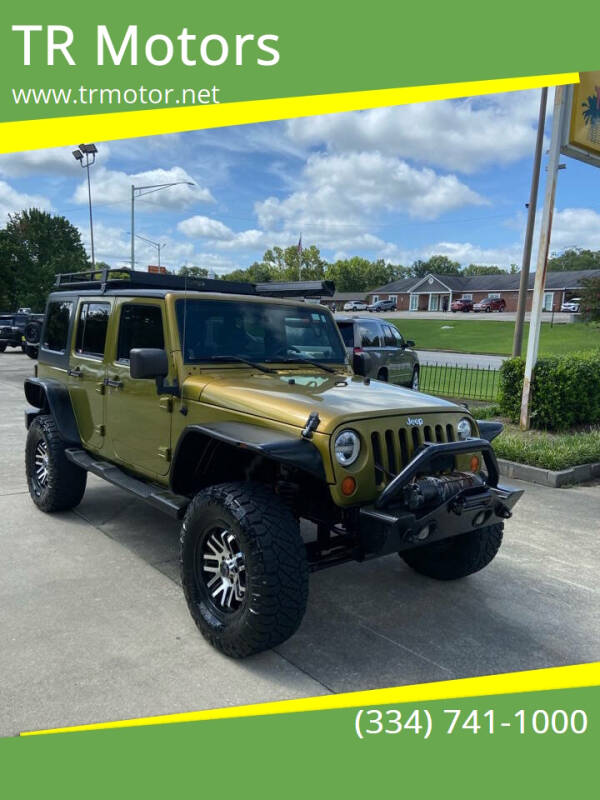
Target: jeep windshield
{"x": 211, "y": 330}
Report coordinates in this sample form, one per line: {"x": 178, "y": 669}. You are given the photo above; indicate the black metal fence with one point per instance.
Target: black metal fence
{"x": 470, "y": 383}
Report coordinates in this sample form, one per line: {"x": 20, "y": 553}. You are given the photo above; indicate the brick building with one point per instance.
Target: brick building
{"x": 436, "y": 292}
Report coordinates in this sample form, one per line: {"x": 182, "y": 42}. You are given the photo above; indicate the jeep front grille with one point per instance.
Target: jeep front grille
{"x": 393, "y": 448}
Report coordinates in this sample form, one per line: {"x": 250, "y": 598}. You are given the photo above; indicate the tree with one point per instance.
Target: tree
{"x": 438, "y": 265}
{"x": 193, "y": 272}
{"x": 590, "y": 297}
{"x": 574, "y": 258}
{"x": 34, "y": 247}
{"x": 478, "y": 269}
{"x": 359, "y": 275}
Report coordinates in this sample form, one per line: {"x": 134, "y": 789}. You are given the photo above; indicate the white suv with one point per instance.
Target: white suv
{"x": 355, "y": 305}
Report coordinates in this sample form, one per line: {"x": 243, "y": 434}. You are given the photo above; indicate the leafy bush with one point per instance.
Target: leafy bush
{"x": 565, "y": 390}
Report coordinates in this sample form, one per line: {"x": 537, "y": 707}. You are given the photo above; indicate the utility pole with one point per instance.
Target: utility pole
{"x": 542, "y": 259}
{"x": 89, "y": 150}
{"x": 532, "y": 208}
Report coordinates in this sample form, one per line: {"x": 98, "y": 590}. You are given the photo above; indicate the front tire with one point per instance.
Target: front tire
{"x": 243, "y": 568}
{"x": 2, "y": 347}
{"x": 458, "y": 556}
{"x": 55, "y": 484}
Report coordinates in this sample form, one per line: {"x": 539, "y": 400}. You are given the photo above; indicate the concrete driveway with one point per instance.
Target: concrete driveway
{"x": 94, "y": 625}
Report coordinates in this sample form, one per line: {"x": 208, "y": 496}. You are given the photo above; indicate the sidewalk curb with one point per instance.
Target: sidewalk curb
{"x": 548, "y": 477}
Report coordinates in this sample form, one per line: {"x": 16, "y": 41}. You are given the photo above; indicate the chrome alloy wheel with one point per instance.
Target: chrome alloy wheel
{"x": 415, "y": 381}
{"x": 40, "y": 465}
{"x": 223, "y": 570}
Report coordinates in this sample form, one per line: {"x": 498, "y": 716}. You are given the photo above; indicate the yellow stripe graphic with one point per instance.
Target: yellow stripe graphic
{"x": 27, "y": 134}
{"x": 571, "y": 677}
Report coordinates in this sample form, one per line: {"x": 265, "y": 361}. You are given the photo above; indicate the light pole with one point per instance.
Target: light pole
{"x": 142, "y": 190}
{"x": 89, "y": 150}
{"x": 158, "y": 245}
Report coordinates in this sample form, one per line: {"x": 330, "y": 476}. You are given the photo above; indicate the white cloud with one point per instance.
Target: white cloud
{"x": 205, "y": 227}
{"x": 341, "y": 192}
{"x": 575, "y": 227}
{"x": 57, "y": 161}
{"x": 461, "y": 135}
{"x": 114, "y": 187}
{"x": 12, "y": 201}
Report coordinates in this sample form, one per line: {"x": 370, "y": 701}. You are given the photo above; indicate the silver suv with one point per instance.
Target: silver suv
{"x": 378, "y": 350}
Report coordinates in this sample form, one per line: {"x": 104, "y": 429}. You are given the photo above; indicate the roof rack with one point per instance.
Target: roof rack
{"x": 122, "y": 278}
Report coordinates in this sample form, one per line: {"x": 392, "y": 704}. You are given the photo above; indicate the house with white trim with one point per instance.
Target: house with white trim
{"x": 436, "y": 292}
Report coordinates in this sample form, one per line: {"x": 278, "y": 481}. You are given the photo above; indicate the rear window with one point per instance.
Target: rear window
{"x": 56, "y": 328}
{"x": 347, "y": 331}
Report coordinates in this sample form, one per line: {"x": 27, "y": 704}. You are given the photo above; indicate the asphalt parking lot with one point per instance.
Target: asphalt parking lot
{"x": 94, "y": 626}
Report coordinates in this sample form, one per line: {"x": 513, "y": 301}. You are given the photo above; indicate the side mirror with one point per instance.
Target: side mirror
{"x": 148, "y": 362}
{"x": 361, "y": 363}
{"x": 410, "y": 343}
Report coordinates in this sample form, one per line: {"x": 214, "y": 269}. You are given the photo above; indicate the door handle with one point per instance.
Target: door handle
{"x": 75, "y": 373}
{"x": 116, "y": 384}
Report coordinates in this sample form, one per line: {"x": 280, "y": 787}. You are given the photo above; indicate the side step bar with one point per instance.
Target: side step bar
{"x": 172, "y": 504}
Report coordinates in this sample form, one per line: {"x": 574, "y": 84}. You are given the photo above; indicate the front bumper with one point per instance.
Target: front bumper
{"x": 388, "y": 526}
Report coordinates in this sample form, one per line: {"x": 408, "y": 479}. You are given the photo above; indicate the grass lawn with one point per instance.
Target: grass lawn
{"x": 470, "y": 336}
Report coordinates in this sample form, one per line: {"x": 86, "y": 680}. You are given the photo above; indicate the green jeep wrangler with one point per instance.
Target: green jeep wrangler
{"x": 235, "y": 408}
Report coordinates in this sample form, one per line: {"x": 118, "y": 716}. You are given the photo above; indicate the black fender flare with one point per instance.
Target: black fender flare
{"x": 48, "y": 396}
{"x": 285, "y": 448}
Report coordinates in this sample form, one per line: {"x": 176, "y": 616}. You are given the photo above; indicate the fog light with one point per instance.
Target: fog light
{"x": 479, "y": 519}
{"x": 474, "y": 464}
{"x": 424, "y": 532}
{"x": 348, "y": 486}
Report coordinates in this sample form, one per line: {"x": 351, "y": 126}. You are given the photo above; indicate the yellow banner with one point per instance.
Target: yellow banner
{"x": 584, "y": 131}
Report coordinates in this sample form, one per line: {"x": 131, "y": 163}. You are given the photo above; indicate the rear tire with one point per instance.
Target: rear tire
{"x": 382, "y": 375}
{"x": 458, "y": 556}
{"x": 55, "y": 484}
{"x": 243, "y": 568}
{"x": 414, "y": 384}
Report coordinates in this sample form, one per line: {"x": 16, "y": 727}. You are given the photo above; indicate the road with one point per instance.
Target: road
{"x": 94, "y": 625}
{"x": 460, "y": 359}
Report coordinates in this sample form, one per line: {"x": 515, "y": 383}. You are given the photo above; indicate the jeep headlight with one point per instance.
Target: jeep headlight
{"x": 347, "y": 447}
{"x": 464, "y": 428}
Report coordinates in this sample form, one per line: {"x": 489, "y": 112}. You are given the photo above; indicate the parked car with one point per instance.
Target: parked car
{"x": 236, "y": 411}
{"x": 12, "y": 329}
{"x": 490, "y": 304}
{"x": 378, "y": 350}
{"x": 573, "y": 305}
{"x": 355, "y": 305}
{"x": 461, "y": 304}
{"x": 382, "y": 305}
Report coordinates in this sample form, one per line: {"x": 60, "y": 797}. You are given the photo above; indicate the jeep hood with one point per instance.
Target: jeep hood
{"x": 336, "y": 398}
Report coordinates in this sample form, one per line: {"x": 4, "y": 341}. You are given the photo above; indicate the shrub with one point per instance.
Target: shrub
{"x": 565, "y": 390}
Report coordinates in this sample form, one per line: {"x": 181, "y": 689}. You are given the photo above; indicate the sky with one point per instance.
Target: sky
{"x": 400, "y": 183}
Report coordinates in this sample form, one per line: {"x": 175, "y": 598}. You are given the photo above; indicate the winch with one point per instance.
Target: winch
{"x": 435, "y": 490}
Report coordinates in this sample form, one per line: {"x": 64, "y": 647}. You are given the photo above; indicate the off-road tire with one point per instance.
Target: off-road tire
{"x": 31, "y": 351}
{"x": 382, "y": 375}
{"x": 276, "y": 568}
{"x": 2, "y": 347}
{"x": 458, "y": 556}
{"x": 65, "y": 483}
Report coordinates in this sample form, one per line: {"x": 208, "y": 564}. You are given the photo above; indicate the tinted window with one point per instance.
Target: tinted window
{"x": 388, "y": 336}
{"x": 56, "y": 328}
{"x": 369, "y": 334}
{"x": 347, "y": 331}
{"x": 140, "y": 326}
{"x": 397, "y": 337}
{"x": 91, "y": 329}
{"x": 257, "y": 331}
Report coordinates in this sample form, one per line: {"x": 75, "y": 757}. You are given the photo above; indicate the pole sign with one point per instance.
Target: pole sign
{"x": 581, "y": 124}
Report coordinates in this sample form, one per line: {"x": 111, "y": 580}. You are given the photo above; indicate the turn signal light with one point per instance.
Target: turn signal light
{"x": 474, "y": 464}
{"x": 348, "y": 486}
